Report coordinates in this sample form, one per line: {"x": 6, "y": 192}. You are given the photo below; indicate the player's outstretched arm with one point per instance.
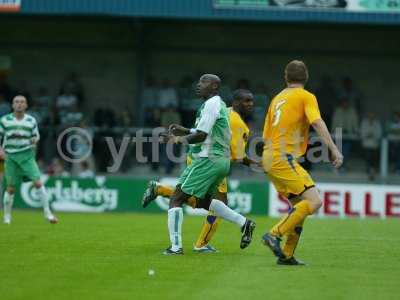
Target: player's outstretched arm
{"x": 336, "y": 156}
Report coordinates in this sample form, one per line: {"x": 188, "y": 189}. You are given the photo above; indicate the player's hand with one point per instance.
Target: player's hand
{"x": 177, "y": 129}
{"x": 337, "y": 159}
{"x": 166, "y": 137}
{"x": 2, "y": 154}
{"x": 34, "y": 140}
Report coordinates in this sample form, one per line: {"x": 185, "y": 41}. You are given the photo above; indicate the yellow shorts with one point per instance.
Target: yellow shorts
{"x": 287, "y": 175}
{"x": 223, "y": 186}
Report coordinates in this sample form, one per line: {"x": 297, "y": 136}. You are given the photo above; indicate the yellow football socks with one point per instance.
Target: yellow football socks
{"x": 294, "y": 218}
{"x": 292, "y": 240}
{"x": 164, "y": 190}
{"x": 208, "y": 230}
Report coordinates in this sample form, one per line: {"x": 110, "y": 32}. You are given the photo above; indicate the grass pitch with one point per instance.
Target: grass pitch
{"x": 109, "y": 256}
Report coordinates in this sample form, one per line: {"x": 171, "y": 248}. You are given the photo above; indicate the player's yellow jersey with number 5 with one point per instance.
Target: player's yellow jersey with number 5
{"x": 286, "y": 136}
{"x": 288, "y": 120}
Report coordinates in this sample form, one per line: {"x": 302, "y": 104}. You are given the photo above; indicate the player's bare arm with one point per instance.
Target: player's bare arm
{"x": 336, "y": 156}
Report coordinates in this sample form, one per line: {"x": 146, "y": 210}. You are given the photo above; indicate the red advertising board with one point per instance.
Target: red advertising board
{"x": 348, "y": 201}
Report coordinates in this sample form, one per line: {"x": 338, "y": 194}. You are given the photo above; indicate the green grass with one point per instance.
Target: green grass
{"x": 108, "y": 256}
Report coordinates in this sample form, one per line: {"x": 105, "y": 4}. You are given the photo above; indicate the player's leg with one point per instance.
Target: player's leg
{"x": 293, "y": 237}
{"x": 31, "y": 170}
{"x": 175, "y": 220}
{"x": 10, "y": 180}
{"x": 210, "y": 225}
{"x": 45, "y": 202}
{"x": 289, "y": 178}
{"x": 155, "y": 189}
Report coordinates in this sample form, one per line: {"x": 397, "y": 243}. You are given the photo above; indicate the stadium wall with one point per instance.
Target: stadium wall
{"x": 112, "y": 56}
{"x": 44, "y": 51}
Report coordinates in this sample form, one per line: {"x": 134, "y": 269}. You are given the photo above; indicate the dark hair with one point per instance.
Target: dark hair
{"x": 240, "y": 94}
{"x": 296, "y": 72}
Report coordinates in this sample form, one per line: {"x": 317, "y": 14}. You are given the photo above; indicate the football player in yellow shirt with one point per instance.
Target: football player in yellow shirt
{"x": 285, "y": 135}
{"x": 242, "y": 107}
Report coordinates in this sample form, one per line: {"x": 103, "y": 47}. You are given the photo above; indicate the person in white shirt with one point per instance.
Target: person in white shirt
{"x": 371, "y": 134}
{"x": 168, "y": 95}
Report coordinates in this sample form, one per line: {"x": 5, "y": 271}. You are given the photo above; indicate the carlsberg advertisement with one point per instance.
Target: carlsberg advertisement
{"x": 106, "y": 194}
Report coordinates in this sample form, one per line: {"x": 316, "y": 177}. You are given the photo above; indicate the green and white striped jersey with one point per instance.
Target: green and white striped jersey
{"x": 17, "y": 134}
{"x": 213, "y": 119}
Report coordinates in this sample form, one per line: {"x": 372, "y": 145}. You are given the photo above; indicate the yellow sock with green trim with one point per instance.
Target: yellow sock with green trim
{"x": 292, "y": 240}
{"x": 208, "y": 230}
{"x": 165, "y": 190}
{"x": 294, "y": 218}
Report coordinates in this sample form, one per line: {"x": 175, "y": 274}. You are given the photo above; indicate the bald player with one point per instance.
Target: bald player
{"x": 242, "y": 107}
{"x": 20, "y": 134}
{"x": 287, "y": 123}
{"x": 209, "y": 142}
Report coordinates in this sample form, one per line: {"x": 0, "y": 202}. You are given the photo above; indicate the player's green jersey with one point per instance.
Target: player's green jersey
{"x": 17, "y": 134}
{"x": 213, "y": 119}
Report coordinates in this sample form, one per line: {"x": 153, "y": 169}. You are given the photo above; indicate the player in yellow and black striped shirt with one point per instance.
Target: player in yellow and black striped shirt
{"x": 242, "y": 107}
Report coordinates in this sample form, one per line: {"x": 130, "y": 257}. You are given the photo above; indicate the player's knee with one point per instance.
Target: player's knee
{"x": 315, "y": 205}
{"x": 11, "y": 190}
{"x": 37, "y": 184}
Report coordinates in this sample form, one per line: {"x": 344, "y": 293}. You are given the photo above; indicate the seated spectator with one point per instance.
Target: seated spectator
{"x": 371, "y": 134}
{"x": 345, "y": 118}
{"x": 327, "y": 96}
{"x": 351, "y": 93}
{"x": 393, "y": 130}
{"x": 43, "y": 99}
{"x": 150, "y": 98}
{"x": 85, "y": 171}
{"x": 168, "y": 95}
{"x": 56, "y": 168}
{"x": 5, "y": 107}
{"x": 74, "y": 86}
{"x": 168, "y": 117}
{"x": 65, "y": 101}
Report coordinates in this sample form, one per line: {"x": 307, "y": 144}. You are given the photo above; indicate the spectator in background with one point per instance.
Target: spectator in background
{"x": 168, "y": 95}
{"x": 56, "y": 168}
{"x": 393, "y": 130}
{"x": 327, "y": 96}
{"x": 371, "y": 134}
{"x": 351, "y": 93}
{"x": 72, "y": 84}
{"x": 66, "y": 101}
{"x": 85, "y": 171}
{"x": 168, "y": 117}
{"x": 345, "y": 118}
{"x": 5, "y": 107}
{"x": 43, "y": 98}
{"x": 189, "y": 103}
{"x": 150, "y": 98}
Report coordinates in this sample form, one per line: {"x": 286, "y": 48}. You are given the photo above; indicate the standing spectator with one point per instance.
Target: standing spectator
{"x": 43, "y": 99}
{"x": 168, "y": 95}
{"x": 345, "y": 117}
{"x": 371, "y": 134}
